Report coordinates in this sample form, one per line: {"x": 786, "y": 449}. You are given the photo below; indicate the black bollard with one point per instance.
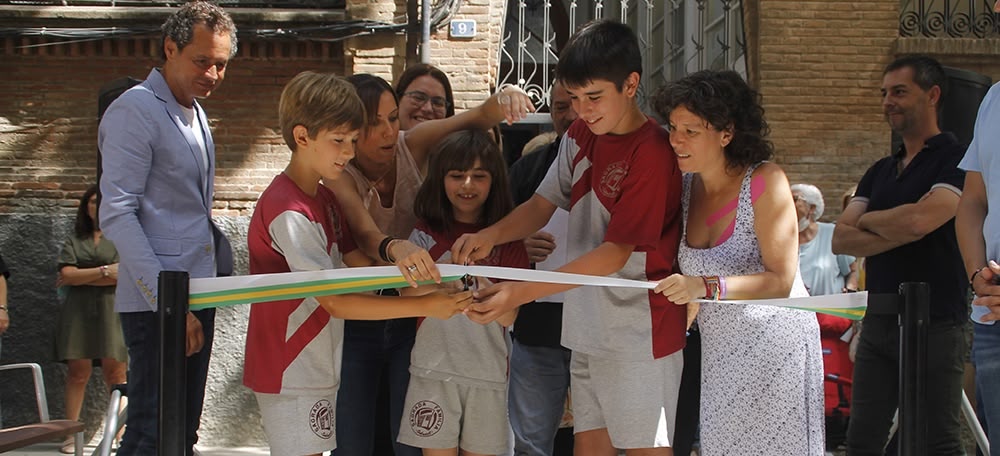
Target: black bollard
{"x": 914, "y": 318}
{"x": 172, "y": 290}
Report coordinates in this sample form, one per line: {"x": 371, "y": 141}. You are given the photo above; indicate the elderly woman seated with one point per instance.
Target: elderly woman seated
{"x": 825, "y": 273}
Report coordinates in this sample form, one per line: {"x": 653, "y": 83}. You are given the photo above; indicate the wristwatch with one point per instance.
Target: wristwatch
{"x": 104, "y": 271}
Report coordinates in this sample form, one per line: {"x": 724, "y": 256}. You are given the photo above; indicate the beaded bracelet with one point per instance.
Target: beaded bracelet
{"x": 712, "y": 289}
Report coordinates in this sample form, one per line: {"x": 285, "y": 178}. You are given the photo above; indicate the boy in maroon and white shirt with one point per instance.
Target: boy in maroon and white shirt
{"x": 618, "y": 177}
{"x": 294, "y": 346}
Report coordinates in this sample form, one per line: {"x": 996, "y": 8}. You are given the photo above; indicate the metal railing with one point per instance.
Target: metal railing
{"x": 948, "y": 19}
{"x": 676, "y": 37}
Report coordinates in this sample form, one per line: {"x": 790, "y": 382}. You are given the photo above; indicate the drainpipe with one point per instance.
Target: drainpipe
{"x": 425, "y": 31}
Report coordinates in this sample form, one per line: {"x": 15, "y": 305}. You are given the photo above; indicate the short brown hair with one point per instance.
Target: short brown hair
{"x": 179, "y": 27}
{"x": 318, "y": 101}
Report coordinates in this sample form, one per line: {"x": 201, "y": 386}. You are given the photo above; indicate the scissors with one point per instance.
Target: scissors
{"x": 469, "y": 283}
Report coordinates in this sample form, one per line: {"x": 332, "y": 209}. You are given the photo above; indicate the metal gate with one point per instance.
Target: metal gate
{"x": 676, "y": 37}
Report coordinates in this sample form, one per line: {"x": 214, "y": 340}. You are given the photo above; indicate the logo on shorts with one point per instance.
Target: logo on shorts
{"x": 321, "y": 419}
{"x": 426, "y": 418}
{"x": 611, "y": 181}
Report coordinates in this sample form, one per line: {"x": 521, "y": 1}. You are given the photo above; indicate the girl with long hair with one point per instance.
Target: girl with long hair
{"x": 457, "y": 399}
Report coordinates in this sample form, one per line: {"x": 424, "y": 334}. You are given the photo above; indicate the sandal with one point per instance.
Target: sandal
{"x": 68, "y": 446}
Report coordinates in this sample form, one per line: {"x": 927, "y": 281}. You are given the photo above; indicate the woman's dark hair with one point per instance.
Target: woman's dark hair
{"x": 370, "y": 89}
{"x": 423, "y": 69}
{"x": 725, "y": 101}
{"x": 459, "y": 151}
{"x": 85, "y": 226}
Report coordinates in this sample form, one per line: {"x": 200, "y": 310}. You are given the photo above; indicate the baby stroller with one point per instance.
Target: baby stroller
{"x": 835, "y": 334}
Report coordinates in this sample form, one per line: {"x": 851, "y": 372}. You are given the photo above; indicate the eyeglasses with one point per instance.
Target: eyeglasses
{"x": 420, "y": 98}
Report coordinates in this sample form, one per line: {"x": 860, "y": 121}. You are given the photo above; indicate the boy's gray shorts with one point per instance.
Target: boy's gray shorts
{"x": 440, "y": 414}
{"x": 297, "y": 425}
{"x": 635, "y": 400}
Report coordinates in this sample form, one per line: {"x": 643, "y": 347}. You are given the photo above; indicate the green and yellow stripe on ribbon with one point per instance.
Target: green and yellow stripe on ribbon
{"x": 230, "y": 291}
{"x": 211, "y": 293}
{"x": 851, "y": 313}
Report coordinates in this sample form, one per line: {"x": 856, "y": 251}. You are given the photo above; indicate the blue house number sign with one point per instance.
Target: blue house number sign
{"x": 463, "y": 29}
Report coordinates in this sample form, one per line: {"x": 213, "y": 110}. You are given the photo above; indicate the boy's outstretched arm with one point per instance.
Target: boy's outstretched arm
{"x": 523, "y": 221}
{"x": 503, "y": 297}
{"x": 371, "y": 307}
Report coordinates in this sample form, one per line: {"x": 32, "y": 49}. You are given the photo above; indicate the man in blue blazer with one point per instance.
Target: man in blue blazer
{"x": 158, "y": 163}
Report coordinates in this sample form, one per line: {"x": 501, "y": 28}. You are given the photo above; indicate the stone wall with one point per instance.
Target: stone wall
{"x": 30, "y": 244}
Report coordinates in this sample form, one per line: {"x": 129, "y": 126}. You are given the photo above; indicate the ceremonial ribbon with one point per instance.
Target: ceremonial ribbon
{"x": 235, "y": 290}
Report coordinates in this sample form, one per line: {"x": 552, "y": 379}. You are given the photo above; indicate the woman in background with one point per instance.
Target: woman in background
{"x": 424, "y": 93}
{"x": 89, "y": 329}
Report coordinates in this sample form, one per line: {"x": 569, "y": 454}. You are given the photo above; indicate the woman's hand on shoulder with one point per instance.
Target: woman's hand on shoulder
{"x": 681, "y": 289}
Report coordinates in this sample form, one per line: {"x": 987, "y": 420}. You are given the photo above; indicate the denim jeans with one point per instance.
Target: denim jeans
{"x": 875, "y": 393}
{"x": 539, "y": 379}
{"x": 986, "y": 357}
{"x": 373, "y": 349}
{"x": 142, "y": 337}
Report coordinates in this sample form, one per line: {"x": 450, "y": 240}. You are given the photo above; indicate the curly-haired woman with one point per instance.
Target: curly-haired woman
{"x": 762, "y": 368}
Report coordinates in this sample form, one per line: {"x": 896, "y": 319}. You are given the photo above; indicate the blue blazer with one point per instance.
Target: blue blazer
{"x": 156, "y": 193}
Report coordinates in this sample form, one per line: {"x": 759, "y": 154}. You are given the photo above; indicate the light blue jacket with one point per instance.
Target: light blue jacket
{"x": 154, "y": 206}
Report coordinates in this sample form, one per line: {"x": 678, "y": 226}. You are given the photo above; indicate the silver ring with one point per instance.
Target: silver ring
{"x": 412, "y": 268}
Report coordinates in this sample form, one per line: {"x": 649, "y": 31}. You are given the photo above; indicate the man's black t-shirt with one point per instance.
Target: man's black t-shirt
{"x": 935, "y": 258}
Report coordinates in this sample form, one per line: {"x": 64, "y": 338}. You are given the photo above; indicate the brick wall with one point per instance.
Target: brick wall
{"x": 48, "y": 128}
{"x": 819, "y": 66}
{"x": 819, "y": 71}
{"x": 471, "y": 64}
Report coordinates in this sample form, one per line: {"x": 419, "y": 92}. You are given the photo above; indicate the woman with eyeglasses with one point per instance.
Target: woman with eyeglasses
{"x": 386, "y": 172}
{"x": 424, "y": 93}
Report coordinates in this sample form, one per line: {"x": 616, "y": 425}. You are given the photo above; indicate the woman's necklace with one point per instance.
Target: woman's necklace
{"x": 374, "y": 182}
{"x": 384, "y": 195}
